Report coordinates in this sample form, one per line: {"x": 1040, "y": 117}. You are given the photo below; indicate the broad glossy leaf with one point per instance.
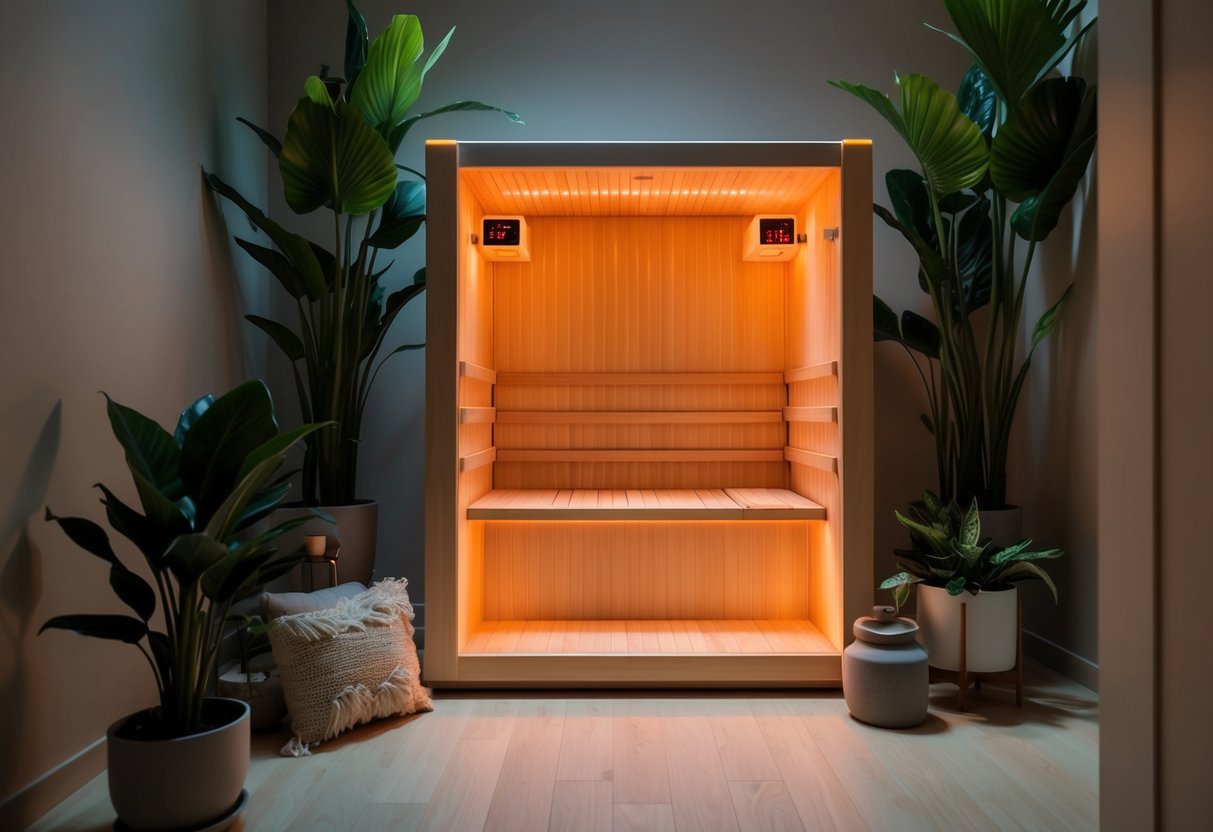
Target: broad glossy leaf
{"x": 900, "y": 579}
{"x": 220, "y": 582}
{"x": 190, "y": 555}
{"x": 190, "y": 415}
{"x": 113, "y": 627}
{"x": 392, "y": 234}
{"x": 947, "y": 143}
{"x": 356, "y": 42}
{"x": 933, "y": 266}
{"x": 975, "y": 253}
{"x": 391, "y": 79}
{"x": 133, "y": 591}
{"x": 277, "y": 446}
{"x": 286, "y": 340}
{"x": 911, "y": 202}
{"x": 227, "y": 516}
{"x": 317, "y": 91}
{"x": 1013, "y": 41}
{"x": 165, "y": 514}
{"x": 978, "y": 100}
{"x": 87, "y": 535}
{"x": 296, "y": 249}
{"x": 332, "y": 158}
{"x": 278, "y": 265}
{"x": 150, "y": 449}
{"x": 234, "y": 426}
{"x": 920, "y": 334}
{"x": 396, "y": 137}
{"x": 884, "y": 321}
{"x": 267, "y": 138}
{"x": 1042, "y": 152}
{"x": 148, "y": 538}
{"x": 956, "y": 585}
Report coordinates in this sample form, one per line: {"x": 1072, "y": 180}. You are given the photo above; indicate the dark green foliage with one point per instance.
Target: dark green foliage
{"x": 200, "y": 488}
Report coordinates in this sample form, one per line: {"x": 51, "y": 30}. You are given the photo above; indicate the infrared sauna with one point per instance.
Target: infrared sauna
{"x": 648, "y": 412}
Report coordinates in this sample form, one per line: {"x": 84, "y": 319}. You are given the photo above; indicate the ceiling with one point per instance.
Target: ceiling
{"x": 622, "y": 191}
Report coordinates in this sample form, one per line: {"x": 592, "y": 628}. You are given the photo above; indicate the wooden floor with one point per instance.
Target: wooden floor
{"x": 671, "y": 761}
{"x": 632, "y": 637}
{"x": 644, "y": 504}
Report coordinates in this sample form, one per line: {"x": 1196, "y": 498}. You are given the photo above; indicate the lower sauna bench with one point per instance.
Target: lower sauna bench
{"x": 641, "y": 637}
{"x": 645, "y": 504}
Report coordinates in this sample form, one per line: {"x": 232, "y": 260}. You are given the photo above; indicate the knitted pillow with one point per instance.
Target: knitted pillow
{"x": 348, "y": 665}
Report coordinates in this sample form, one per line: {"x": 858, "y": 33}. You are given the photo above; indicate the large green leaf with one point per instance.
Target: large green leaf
{"x": 1014, "y": 41}
{"x": 356, "y": 42}
{"x": 920, "y": 334}
{"x": 286, "y": 340}
{"x": 391, "y": 79}
{"x": 113, "y": 627}
{"x": 911, "y": 202}
{"x": 148, "y": 537}
{"x": 975, "y": 253}
{"x": 1030, "y": 571}
{"x": 190, "y": 415}
{"x": 397, "y": 134}
{"x": 948, "y": 145}
{"x": 332, "y": 158}
{"x": 191, "y": 555}
{"x": 267, "y": 138}
{"x": 215, "y": 448}
{"x": 884, "y": 321}
{"x": 1041, "y": 153}
{"x": 402, "y": 216}
{"x": 978, "y": 100}
{"x": 279, "y": 266}
{"x": 150, "y": 450}
{"x": 297, "y": 249}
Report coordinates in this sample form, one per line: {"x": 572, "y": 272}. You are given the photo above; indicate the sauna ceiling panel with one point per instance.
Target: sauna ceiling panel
{"x": 621, "y": 191}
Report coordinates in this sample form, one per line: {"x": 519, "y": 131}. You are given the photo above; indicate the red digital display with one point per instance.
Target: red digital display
{"x": 779, "y": 231}
{"x": 502, "y": 232}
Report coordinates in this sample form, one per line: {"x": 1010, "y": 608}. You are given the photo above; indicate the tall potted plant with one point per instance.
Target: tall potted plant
{"x": 202, "y": 489}
{"x": 998, "y": 163}
{"x": 338, "y": 153}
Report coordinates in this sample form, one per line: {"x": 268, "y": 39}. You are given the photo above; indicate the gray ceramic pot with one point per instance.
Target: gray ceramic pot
{"x": 183, "y": 783}
{"x": 885, "y": 677}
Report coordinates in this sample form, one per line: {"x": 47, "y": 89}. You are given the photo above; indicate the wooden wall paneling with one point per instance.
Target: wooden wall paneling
{"x": 441, "y": 410}
{"x": 663, "y": 570}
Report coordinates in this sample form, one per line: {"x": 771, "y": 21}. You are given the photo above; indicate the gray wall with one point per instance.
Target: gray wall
{"x": 117, "y": 277}
{"x": 718, "y": 70}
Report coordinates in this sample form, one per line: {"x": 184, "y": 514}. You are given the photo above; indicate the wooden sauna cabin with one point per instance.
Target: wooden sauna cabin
{"x": 648, "y": 412}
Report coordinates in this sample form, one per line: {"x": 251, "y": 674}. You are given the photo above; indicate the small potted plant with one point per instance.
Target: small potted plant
{"x": 253, "y": 677}
{"x": 952, "y": 564}
{"x": 202, "y": 489}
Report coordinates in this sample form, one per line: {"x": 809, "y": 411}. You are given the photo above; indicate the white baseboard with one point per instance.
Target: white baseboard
{"x": 39, "y": 797}
{"x": 1066, "y": 662}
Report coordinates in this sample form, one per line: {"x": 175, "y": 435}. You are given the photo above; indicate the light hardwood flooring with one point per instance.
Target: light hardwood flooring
{"x": 680, "y": 761}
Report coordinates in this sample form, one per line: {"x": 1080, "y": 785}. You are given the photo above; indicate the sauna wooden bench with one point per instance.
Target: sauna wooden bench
{"x": 675, "y": 637}
{"x": 645, "y": 504}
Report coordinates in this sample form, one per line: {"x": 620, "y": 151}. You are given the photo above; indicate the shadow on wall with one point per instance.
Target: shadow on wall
{"x": 239, "y": 354}
{"x": 21, "y": 566}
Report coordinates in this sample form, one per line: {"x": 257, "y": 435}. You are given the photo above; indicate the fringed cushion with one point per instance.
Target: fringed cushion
{"x": 348, "y": 665}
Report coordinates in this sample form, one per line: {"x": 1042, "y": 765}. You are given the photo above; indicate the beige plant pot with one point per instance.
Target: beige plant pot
{"x": 194, "y": 782}
{"x": 990, "y": 628}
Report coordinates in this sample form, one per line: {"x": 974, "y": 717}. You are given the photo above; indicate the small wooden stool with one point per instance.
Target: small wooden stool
{"x": 962, "y": 678}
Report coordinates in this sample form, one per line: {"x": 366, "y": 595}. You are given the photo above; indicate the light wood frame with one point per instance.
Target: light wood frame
{"x": 463, "y": 412}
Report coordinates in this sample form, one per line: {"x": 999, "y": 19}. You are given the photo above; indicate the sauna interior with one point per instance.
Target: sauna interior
{"x": 649, "y": 439}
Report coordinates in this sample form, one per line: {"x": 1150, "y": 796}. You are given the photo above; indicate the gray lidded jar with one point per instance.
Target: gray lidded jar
{"x": 884, "y": 671}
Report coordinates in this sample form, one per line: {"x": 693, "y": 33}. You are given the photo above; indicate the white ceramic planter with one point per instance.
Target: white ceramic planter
{"x": 190, "y": 782}
{"x": 990, "y": 617}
